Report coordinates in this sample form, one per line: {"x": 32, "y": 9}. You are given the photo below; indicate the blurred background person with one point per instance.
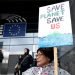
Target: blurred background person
{"x": 25, "y": 62}
{"x": 1, "y": 56}
{"x": 44, "y": 58}
{"x": 1, "y": 59}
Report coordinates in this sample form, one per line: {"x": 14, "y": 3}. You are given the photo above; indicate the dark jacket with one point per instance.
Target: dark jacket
{"x": 25, "y": 62}
{"x": 1, "y": 56}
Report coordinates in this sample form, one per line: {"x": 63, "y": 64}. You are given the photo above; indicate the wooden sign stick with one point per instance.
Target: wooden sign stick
{"x": 55, "y": 61}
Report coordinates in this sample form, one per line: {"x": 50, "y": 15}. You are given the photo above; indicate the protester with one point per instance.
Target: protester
{"x": 25, "y": 62}
{"x": 44, "y": 58}
{"x": 1, "y": 56}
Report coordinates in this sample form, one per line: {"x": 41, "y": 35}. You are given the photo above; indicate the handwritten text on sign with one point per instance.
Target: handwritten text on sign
{"x": 54, "y": 15}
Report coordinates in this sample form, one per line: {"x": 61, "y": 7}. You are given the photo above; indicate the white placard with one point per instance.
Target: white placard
{"x": 55, "y": 25}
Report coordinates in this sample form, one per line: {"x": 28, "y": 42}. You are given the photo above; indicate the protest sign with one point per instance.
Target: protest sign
{"x": 55, "y": 25}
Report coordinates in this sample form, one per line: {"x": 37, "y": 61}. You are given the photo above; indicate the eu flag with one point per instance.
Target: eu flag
{"x": 14, "y": 29}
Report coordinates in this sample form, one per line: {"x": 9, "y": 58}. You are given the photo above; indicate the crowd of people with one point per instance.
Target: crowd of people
{"x": 43, "y": 63}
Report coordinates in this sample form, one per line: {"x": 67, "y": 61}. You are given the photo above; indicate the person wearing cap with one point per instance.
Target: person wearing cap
{"x": 44, "y": 58}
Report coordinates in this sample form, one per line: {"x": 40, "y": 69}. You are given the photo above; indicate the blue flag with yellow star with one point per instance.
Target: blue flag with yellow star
{"x": 14, "y": 29}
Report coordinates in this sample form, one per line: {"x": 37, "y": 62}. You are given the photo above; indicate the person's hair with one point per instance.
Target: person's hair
{"x": 27, "y": 50}
{"x": 48, "y": 52}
